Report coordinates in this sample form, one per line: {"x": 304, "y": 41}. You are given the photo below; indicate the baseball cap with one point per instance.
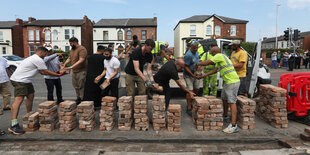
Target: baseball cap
{"x": 235, "y": 42}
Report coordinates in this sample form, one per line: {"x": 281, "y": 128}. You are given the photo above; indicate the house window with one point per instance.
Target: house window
{"x": 37, "y": 35}
{"x": 217, "y": 30}
{"x": 193, "y": 30}
{"x": 67, "y": 34}
{"x": 55, "y": 35}
{"x": 31, "y": 49}
{"x": 67, "y": 48}
{"x": 129, "y": 35}
{"x": 209, "y": 30}
{"x": 30, "y": 35}
{"x": 282, "y": 44}
{"x": 47, "y": 35}
{"x": 1, "y": 36}
{"x": 120, "y": 35}
{"x": 105, "y": 35}
{"x": 3, "y": 50}
{"x": 233, "y": 30}
{"x": 143, "y": 33}
{"x": 72, "y": 32}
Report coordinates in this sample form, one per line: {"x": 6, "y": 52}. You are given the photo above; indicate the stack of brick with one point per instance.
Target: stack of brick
{"x": 207, "y": 113}
{"x": 174, "y": 117}
{"x": 245, "y": 115}
{"x": 48, "y": 118}
{"x": 140, "y": 113}
{"x": 31, "y": 121}
{"x": 67, "y": 116}
{"x": 159, "y": 113}
{"x": 272, "y": 106}
{"x": 125, "y": 113}
{"x": 86, "y": 115}
{"x": 107, "y": 114}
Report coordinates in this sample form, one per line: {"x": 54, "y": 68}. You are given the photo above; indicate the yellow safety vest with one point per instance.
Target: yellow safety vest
{"x": 205, "y": 57}
{"x": 226, "y": 68}
{"x": 156, "y": 49}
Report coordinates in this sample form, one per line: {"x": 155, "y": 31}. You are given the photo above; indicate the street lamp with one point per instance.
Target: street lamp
{"x": 277, "y": 9}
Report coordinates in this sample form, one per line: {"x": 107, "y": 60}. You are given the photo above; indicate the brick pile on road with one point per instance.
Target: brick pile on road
{"x": 174, "y": 117}
{"x": 245, "y": 112}
{"x": 141, "y": 113}
{"x": 125, "y": 112}
{"x": 272, "y": 106}
{"x": 67, "y": 116}
{"x": 48, "y": 118}
{"x": 31, "y": 121}
{"x": 207, "y": 113}
{"x": 107, "y": 114}
{"x": 86, "y": 115}
{"x": 159, "y": 112}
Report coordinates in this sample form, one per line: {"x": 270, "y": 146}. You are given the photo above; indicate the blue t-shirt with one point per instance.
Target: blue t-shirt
{"x": 190, "y": 60}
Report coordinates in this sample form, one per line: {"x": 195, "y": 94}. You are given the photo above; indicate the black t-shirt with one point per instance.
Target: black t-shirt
{"x": 166, "y": 72}
{"x": 137, "y": 55}
{"x": 135, "y": 43}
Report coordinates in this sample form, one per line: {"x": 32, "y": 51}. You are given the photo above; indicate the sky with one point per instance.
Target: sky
{"x": 261, "y": 14}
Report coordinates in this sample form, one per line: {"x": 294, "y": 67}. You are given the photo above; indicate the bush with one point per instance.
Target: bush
{"x": 249, "y": 47}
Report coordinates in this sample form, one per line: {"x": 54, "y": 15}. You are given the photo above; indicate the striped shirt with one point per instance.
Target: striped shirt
{"x": 52, "y": 64}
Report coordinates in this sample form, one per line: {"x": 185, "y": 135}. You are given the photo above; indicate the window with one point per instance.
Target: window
{"x": 217, "y": 30}
{"x": 143, "y": 33}
{"x": 233, "y": 30}
{"x": 72, "y": 32}
{"x": 120, "y": 35}
{"x": 47, "y": 35}
{"x": 1, "y": 36}
{"x": 55, "y": 35}
{"x": 37, "y": 35}
{"x": 105, "y": 35}
{"x": 67, "y": 34}
{"x": 31, "y": 49}
{"x": 3, "y": 50}
{"x": 67, "y": 48}
{"x": 209, "y": 30}
{"x": 30, "y": 35}
{"x": 193, "y": 30}
{"x": 55, "y": 47}
{"x": 129, "y": 35}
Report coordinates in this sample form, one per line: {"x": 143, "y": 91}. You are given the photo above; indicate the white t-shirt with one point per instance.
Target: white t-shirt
{"x": 28, "y": 68}
{"x": 110, "y": 65}
{"x": 3, "y": 74}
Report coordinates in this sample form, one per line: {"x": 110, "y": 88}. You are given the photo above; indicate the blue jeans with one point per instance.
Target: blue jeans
{"x": 274, "y": 64}
{"x": 285, "y": 63}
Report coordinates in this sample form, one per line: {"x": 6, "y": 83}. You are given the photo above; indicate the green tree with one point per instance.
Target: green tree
{"x": 249, "y": 47}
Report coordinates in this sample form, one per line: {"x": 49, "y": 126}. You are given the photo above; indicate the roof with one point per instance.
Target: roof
{"x": 273, "y": 39}
{"x": 56, "y": 22}
{"x": 7, "y": 24}
{"x": 126, "y": 22}
{"x": 304, "y": 34}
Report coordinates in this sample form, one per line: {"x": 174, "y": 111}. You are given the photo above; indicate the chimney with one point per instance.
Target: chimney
{"x": 31, "y": 19}
{"x": 155, "y": 19}
{"x": 19, "y": 21}
{"x": 265, "y": 38}
{"x": 85, "y": 19}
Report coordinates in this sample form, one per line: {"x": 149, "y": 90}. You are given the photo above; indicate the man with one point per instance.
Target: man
{"x": 307, "y": 58}
{"x": 291, "y": 60}
{"x": 230, "y": 87}
{"x": 77, "y": 57}
{"x": 297, "y": 60}
{"x": 279, "y": 57}
{"x": 134, "y": 69}
{"x": 111, "y": 46}
{"x": 191, "y": 58}
{"x": 160, "y": 51}
{"x": 170, "y": 71}
{"x": 22, "y": 83}
{"x": 53, "y": 65}
{"x": 111, "y": 74}
{"x": 169, "y": 53}
{"x": 239, "y": 59}
{"x": 134, "y": 44}
{"x": 5, "y": 89}
{"x": 95, "y": 67}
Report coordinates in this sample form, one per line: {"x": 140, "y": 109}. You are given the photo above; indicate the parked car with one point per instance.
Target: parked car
{"x": 13, "y": 61}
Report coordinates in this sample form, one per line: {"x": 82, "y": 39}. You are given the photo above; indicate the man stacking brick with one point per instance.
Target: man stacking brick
{"x": 141, "y": 114}
{"x": 31, "y": 121}
{"x": 86, "y": 115}
{"x": 174, "y": 117}
{"x": 107, "y": 114}
{"x": 159, "y": 112}
{"x": 245, "y": 115}
{"x": 272, "y": 106}
{"x": 48, "y": 118}
{"x": 125, "y": 113}
{"x": 67, "y": 116}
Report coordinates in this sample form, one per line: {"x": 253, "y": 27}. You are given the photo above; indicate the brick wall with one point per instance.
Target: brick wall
{"x": 17, "y": 38}
{"x": 26, "y": 42}
{"x": 87, "y": 35}
{"x": 151, "y": 33}
{"x": 225, "y": 30}
{"x": 306, "y": 43}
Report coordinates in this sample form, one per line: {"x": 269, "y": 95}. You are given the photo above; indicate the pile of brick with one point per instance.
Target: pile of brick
{"x": 140, "y": 113}
{"x": 86, "y": 115}
{"x": 272, "y": 106}
{"x": 107, "y": 114}
{"x": 207, "y": 113}
{"x": 245, "y": 114}
{"x": 31, "y": 121}
{"x": 159, "y": 113}
{"x": 48, "y": 118}
{"x": 67, "y": 116}
{"x": 125, "y": 113}
{"x": 174, "y": 117}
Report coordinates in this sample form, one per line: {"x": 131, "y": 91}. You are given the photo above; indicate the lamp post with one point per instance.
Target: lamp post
{"x": 277, "y": 9}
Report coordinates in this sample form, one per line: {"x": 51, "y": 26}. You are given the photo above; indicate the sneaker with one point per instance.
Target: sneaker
{"x": 16, "y": 130}
{"x": 227, "y": 119}
{"x": 231, "y": 129}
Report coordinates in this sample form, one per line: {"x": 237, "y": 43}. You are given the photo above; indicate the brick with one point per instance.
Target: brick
{"x": 86, "y": 115}
{"x": 174, "y": 118}
{"x": 107, "y": 114}
{"x": 125, "y": 118}
{"x": 141, "y": 113}
{"x": 305, "y": 136}
{"x": 158, "y": 112}
{"x": 31, "y": 121}
{"x": 47, "y": 116}
{"x": 245, "y": 112}
{"x": 67, "y": 116}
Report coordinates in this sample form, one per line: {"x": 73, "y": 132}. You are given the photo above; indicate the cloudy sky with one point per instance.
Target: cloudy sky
{"x": 261, "y": 14}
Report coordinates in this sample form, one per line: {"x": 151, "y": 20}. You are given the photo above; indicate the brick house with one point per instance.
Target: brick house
{"x": 56, "y": 33}
{"x": 205, "y": 27}
{"x": 120, "y": 31}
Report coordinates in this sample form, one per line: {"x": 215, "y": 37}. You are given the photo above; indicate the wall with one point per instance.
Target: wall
{"x": 112, "y": 38}
{"x": 87, "y": 35}
{"x": 7, "y": 35}
{"x": 225, "y": 30}
{"x": 61, "y": 42}
{"x": 17, "y": 38}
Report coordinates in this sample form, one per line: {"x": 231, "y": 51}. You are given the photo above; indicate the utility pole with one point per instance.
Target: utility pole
{"x": 277, "y": 9}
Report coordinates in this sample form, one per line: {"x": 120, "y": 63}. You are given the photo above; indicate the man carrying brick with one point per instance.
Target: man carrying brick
{"x": 22, "y": 83}
{"x": 5, "y": 88}
{"x": 230, "y": 87}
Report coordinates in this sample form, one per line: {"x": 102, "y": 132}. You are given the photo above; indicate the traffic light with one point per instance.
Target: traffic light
{"x": 296, "y": 34}
{"x": 286, "y": 34}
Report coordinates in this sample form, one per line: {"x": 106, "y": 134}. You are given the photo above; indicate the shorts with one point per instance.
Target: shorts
{"x": 192, "y": 83}
{"x": 243, "y": 86}
{"x": 230, "y": 92}
{"x": 22, "y": 89}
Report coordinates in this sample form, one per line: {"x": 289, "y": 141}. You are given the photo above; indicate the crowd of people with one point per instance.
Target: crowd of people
{"x": 290, "y": 60}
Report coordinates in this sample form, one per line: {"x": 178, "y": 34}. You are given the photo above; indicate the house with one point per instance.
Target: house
{"x": 120, "y": 31}
{"x": 56, "y": 33}
{"x": 11, "y": 41}
{"x": 205, "y": 27}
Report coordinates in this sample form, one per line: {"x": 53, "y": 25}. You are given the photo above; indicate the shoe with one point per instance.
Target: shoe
{"x": 227, "y": 119}
{"x": 189, "y": 112}
{"x": 16, "y": 130}
{"x": 7, "y": 108}
{"x": 231, "y": 129}
{"x": 78, "y": 101}
{"x": 59, "y": 101}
